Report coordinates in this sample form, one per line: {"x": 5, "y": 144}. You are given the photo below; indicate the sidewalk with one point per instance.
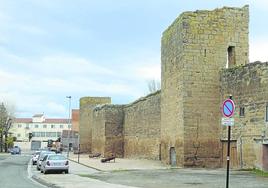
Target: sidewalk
{"x": 119, "y": 164}
{"x": 70, "y": 180}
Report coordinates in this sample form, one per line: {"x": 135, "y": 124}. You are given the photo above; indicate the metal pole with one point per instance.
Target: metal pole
{"x": 228, "y": 154}
{"x": 78, "y": 148}
{"x": 78, "y": 153}
{"x": 69, "y": 122}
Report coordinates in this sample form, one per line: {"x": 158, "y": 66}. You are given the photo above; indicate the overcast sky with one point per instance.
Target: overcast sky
{"x": 50, "y": 49}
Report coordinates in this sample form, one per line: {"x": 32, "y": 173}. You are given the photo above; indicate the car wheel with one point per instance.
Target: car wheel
{"x": 41, "y": 171}
{"x": 37, "y": 168}
{"x": 66, "y": 171}
{"x": 45, "y": 172}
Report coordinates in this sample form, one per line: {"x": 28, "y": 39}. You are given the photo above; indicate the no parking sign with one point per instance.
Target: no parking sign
{"x": 228, "y": 108}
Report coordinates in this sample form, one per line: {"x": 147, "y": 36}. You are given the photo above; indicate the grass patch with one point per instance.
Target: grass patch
{"x": 259, "y": 172}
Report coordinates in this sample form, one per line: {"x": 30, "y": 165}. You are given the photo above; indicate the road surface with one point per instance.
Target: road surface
{"x": 13, "y": 172}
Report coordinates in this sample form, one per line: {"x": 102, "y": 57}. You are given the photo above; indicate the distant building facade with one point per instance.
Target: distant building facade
{"x": 75, "y": 120}
{"x": 41, "y": 128}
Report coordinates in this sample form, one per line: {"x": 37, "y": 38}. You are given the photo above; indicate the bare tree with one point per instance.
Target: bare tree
{"x": 5, "y": 124}
{"x": 153, "y": 85}
{"x": 3, "y": 120}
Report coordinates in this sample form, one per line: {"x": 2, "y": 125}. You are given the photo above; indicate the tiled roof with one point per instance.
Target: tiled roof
{"x": 29, "y": 120}
{"x": 23, "y": 120}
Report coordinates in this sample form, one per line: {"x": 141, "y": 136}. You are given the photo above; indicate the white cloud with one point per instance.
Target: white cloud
{"x": 258, "y": 49}
{"x": 55, "y": 108}
{"x": 261, "y": 4}
{"x": 35, "y": 85}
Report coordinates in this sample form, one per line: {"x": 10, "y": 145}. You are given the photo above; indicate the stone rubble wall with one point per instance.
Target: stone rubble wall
{"x": 87, "y": 104}
{"x": 194, "y": 50}
{"x": 142, "y": 128}
{"x": 249, "y": 87}
{"x": 107, "y": 130}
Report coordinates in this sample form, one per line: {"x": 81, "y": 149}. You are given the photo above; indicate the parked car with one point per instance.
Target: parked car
{"x": 54, "y": 162}
{"x": 41, "y": 157}
{"x": 35, "y": 157}
{"x": 15, "y": 150}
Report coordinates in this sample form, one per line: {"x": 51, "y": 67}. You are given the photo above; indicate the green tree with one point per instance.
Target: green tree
{"x": 10, "y": 141}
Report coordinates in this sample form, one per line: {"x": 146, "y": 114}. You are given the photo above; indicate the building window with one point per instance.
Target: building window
{"x": 44, "y": 126}
{"x": 43, "y": 134}
{"x": 36, "y": 126}
{"x": 69, "y": 126}
{"x": 242, "y": 112}
{"x": 19, "y": 125}
{"x": 51, "y": 134}
{"x": 61, "y": 126}
{"x": 27, "y": 126}
{"x": 266, "y": 114}
{"x": 52, "y": 126}
{"x": 18, "y": 135}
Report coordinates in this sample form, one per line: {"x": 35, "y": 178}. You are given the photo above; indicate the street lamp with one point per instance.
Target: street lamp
{"x": 69, "y": 122}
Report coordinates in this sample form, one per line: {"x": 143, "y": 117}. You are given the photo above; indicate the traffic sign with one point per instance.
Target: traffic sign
{"x": 228, "y": 108}
{"x": 227, "y": 121}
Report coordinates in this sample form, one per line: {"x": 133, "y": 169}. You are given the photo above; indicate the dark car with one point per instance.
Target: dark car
{"x": 15, "y": 150}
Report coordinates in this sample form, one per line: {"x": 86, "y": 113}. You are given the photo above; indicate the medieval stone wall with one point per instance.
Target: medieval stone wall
{"x": 107, "y": 130}
{"x": 87, "y": 105}
{"x": 194, "y": 49}
{"x": 249, "y": 87}
{"x": 142, "y": 128}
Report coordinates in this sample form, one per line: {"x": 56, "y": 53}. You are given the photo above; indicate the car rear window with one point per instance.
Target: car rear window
{"x": 56, "y": 157}
{"x": 45, "y": 153}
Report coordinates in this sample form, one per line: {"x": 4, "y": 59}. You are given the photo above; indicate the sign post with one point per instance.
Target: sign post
{"x": 228, "y": 109}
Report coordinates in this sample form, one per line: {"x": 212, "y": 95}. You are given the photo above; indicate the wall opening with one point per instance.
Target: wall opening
{"x": 242, "y": 112}
{"x": 230, "y": 57}
{"x": 265, "y": 157}
{"x": 266, "y": 113}
{"x": 160, "y": 152}
{"x": 234, "y": 163}
{"x": 173, "y": 156}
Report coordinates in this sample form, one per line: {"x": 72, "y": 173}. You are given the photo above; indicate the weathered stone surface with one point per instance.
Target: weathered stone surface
{"x": 249, "y": 87}
{"x": 107, "y": 130}
{"x": 194, "y": 49}
{"x": 87, "y": 105}
{"x": 142, "y": 128}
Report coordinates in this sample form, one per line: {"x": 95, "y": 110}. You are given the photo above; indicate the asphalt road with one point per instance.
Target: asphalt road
{"x": 13, "y": 172}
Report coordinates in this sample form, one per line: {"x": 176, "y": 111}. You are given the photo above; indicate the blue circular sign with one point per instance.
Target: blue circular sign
{"x": 228, "y": 108}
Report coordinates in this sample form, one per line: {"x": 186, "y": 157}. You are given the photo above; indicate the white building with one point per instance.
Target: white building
{"x": 42, "y": 128}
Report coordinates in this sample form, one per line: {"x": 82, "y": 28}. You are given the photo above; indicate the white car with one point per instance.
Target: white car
{"x": 35, "y": 157}
{"x": 41, "y": 158}
{"x": 54, "y": 162}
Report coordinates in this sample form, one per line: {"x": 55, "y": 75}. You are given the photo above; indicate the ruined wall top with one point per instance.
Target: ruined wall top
{"x": 94, "y": 101}
{"x": 200, "y": 13}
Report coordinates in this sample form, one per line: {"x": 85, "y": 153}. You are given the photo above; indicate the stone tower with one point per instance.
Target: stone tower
{"x": 87, "y": 105}
{"x": 194, "y": 49}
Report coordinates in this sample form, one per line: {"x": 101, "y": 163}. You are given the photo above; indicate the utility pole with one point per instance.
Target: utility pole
{"x": 69, "y": 122}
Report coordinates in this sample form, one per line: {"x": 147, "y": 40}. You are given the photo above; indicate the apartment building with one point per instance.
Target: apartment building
{"x": 41, "y": 128}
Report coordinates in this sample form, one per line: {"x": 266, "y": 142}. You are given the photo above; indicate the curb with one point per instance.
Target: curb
{"x": 38, "y": 180}
{"x": 43, "y": 182}
{"x": 86, "y": 165}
